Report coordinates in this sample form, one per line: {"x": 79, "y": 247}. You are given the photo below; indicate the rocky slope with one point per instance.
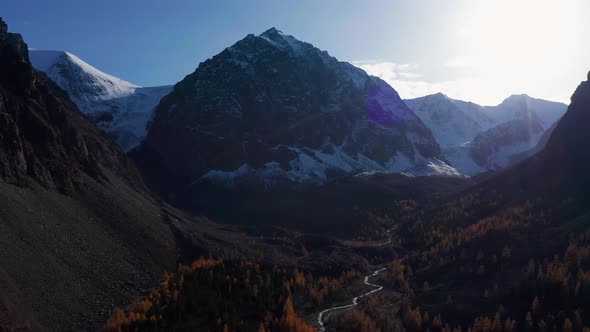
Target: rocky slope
{"x": 272, "y": 110}
{"x": 476, "y": 139}
{"x": 120, "y": 108}
{"x": 79, "y": 233}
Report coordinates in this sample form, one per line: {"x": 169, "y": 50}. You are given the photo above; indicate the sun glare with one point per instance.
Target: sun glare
{"x": 517, "y": 39}
{"x": 527, "y": 32}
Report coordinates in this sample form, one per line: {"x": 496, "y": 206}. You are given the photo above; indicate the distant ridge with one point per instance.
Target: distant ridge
{"x": 477, "y": 139}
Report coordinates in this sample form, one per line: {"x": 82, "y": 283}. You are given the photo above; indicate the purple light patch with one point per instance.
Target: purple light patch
{"x": 384, "y": 106}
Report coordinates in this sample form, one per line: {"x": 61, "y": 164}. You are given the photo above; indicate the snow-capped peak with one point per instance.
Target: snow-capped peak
{"x": 272, "y": 32}
{"x": 450, "y": 124}
{"x": 83, "y": 82}
{"x": 519, "y": 101}
{"x": 285, "y": 42}
{"x": 120, "y": 108}
{"x": 481, "y": 138}
{"x": 524, "y": 106}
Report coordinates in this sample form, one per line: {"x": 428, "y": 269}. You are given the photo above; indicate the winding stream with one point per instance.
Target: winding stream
{"x": 323, "y": 315}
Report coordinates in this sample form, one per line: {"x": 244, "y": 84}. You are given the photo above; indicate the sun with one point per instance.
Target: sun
{"x": 522, "y": 34}
{"x": 519, "y": 42}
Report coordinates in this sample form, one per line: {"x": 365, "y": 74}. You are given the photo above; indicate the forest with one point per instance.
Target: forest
{"x": 523, "y": 267}
{"x": 217, "y": 295}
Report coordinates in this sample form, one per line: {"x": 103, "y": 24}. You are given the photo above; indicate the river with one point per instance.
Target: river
{"x": 323, "y": 315}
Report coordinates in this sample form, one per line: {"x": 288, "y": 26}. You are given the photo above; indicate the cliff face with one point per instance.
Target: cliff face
{"x": 43, "y": 135}
{"x": 571, "y": 135}
{"x": 79, "y": 233}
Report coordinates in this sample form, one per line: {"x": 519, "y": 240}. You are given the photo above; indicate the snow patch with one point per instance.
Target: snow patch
{"x": 312, "y": 167}
{"x": 226, "y": 177}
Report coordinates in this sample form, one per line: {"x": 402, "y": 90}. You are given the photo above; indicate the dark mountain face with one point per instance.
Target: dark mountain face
{"x": 274, "y": 109}
{"x": 565, "y": 160}
{"x": 50, "y": 240}
{"x": 14, "y": 58}
{"x": 43, "y": 134}
{"x": 571, "y": 134}
{"x": 79, "y": 233}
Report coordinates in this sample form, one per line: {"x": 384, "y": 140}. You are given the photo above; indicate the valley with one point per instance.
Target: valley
{"x": 275, "y": 187}
{"x": 325, "y": 314}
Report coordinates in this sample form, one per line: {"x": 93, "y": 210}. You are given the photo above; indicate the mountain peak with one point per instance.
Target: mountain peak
{"x": 582, "y": 93}
{"x": 272, "y": 32}
{"x": 3, "y": 28}
{"x": 17, "y": 73}
{"x": 440, "y": 96}
{"x": 282, "y": 99}
{"x": 516, "y": 100}
{"x": 286, "y": 42}
{"x": 77, "y": 77}
{"x": 120, "y": 108}
{"x": 518, "y": 97}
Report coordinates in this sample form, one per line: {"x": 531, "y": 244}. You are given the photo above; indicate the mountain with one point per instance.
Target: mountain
{"x": 523, "y": 107}
{"x": 512, "y": 252}
{"x": 476, "y": 139}
{"x": 274, "y": 110}
{"x": 120, "y": 108}
{"x": 80, "y": 234}
{"x": 562, "y": 164}
{"x": 452, "y": 123}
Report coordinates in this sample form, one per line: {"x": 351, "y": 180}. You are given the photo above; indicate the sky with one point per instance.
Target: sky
{"x": 476, "y": 50}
